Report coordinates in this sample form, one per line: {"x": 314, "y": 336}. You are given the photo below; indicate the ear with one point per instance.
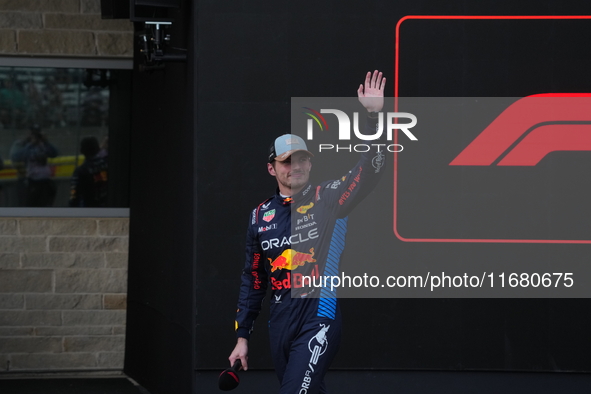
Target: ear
{"x": 271, "y": 169}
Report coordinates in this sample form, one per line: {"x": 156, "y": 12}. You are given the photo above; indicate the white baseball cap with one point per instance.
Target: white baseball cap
{"x": 283, "y": 147}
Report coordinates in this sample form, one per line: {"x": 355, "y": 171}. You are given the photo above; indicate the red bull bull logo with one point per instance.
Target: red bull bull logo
{"x": 297, "y": 281}
{"x": 291, "y": 259}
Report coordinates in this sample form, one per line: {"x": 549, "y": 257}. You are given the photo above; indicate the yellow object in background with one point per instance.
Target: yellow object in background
{"x": 61, "y": 167}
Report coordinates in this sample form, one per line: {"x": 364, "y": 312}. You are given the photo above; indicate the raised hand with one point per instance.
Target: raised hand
{"x": 371, "y": 95}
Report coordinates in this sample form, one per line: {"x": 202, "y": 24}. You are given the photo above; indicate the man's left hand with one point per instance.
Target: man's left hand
{"x": 371, "y": 95}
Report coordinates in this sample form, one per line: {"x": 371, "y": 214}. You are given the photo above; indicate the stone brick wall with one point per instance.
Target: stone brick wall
{"x": 63, "y": 282}
{"x": 63, "y": 285}
{"x": 62, "y": 27}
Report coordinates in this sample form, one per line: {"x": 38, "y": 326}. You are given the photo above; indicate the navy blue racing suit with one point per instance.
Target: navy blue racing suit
{"x": 288, "y": 239}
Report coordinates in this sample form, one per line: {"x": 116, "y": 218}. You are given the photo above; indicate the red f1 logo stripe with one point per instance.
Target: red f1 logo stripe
{"x": 538, "y": 113}
{"x": 546, "y": 139}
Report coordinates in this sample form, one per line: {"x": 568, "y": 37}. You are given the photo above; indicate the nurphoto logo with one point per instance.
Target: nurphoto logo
{"x": 344, "y": 132}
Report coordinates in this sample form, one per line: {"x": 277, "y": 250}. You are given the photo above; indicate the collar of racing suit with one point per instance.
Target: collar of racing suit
{"x": 296, "y": 197}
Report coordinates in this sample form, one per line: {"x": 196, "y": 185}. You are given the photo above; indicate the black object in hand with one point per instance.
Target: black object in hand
{"x": 229, "y": 379}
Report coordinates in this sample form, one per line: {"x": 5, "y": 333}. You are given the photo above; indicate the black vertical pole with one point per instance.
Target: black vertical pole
{"x": 161, "y": 294}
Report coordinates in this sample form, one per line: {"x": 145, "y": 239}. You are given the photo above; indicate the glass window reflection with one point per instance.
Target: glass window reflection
{"x": 54, "y": 134}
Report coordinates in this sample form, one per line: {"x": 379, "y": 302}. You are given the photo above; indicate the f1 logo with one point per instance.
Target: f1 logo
{"x": 530, "y": 129}
{"x": 492, "y": 168}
